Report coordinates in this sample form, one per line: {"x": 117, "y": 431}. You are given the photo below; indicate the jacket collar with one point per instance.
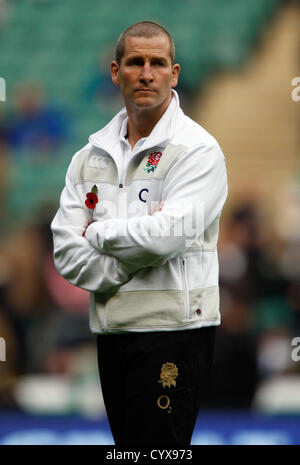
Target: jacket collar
{"x": 110, "y": 135}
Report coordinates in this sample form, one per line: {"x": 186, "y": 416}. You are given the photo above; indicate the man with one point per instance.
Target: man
{"x": 138, "y": 227}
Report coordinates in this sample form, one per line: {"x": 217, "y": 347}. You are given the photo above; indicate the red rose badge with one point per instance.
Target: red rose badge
{"x": 152, "y": 161}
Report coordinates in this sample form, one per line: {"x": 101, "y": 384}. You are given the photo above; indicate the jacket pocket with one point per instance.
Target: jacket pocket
{"x": 185, "y": 287}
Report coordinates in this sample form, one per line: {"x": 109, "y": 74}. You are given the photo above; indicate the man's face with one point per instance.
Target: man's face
{"x": 146, "y": 74}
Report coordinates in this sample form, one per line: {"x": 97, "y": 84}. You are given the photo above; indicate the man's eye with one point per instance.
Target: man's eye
{"x": 137, "y": 61}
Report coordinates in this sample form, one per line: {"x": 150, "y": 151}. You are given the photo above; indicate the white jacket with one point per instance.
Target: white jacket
{"x": 149, "y": 258}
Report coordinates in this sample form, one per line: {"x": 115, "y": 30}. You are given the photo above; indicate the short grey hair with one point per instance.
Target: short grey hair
{"x": 146, "y": 29}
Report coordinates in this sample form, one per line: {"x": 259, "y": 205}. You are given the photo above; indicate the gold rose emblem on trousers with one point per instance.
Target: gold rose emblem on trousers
{"x": 168, "y": 374}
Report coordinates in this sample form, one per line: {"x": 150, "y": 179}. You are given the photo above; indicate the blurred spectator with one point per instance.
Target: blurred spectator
{"x": 273, "y": 321}
{"x": 287, "y": 212}
{"x": 31, "y": 306}
{"x": 35, "y": 125}
{"x": 293, "y": 299}
{"x": 9, "y": 369}
{"x": 249, "y": 257}
{"x": 273, "y": 313}
{"x": 100, "y": 89}
{"x": 4, "y": 164}
{"x": 274, "y": 354}
{"x": 258, "y": 305}
{"x": 70, "y": 298}
{"x": 234, "y": 376}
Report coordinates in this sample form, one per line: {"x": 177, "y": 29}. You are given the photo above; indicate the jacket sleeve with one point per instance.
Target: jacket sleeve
{"x": 74, "y": 258}
{"x": 194, "y": 192}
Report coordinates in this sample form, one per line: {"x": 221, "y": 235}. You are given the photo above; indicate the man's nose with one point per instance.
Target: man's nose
{"x": 146, "y": 74}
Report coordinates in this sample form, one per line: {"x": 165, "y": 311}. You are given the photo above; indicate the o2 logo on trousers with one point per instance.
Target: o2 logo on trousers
{"x": 142, "y": 195}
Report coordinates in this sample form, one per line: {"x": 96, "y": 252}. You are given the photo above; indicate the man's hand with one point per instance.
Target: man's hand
{"x": 87, "y": 227}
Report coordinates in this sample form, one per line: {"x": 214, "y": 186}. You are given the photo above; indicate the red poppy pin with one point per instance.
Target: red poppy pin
{"x": 152, "y": 161}
{"x": 92, "y": 198}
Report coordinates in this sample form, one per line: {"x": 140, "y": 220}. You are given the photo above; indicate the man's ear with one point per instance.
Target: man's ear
{"x": 114, "y": 69}
{"x": 175, "y": 74}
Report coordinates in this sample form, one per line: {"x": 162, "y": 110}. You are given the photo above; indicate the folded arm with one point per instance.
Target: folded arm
{"x": 74, "y": 258}
{"x": 194, "y": 193}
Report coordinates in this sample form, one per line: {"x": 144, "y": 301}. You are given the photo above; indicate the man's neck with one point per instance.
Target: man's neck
{"x": 141, "y": 122}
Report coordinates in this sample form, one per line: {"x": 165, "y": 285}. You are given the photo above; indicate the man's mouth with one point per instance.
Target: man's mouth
{"x": 145, "y": 90}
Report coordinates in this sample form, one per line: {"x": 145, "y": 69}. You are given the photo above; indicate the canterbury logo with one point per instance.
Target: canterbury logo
{"x": 98, "y": 162}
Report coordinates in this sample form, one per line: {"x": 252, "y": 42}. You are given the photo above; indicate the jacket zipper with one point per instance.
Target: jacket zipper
{"x": 106, "y": 305}
{"x": 121, "y": 186}
{"x": 185, "y": 288}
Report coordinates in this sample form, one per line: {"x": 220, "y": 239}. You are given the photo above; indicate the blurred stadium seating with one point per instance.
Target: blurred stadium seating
{"x": 64, "y": 46}
{"x": 57, "y": 44}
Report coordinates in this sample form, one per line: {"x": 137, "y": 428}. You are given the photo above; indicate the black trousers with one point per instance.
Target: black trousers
{"x": 154, "y": 383}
